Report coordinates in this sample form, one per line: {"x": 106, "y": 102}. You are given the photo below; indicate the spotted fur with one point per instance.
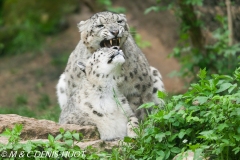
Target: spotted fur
{"x": 139, "y": 78}
{"x": 98, "y": 100}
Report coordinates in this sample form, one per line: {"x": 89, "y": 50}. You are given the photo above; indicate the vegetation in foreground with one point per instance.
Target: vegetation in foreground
{"x": 205, "y": 120}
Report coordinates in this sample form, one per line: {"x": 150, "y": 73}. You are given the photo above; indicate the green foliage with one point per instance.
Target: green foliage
{"x": 24, "y": 23}
{"x": 44, "y": 101}
{"x": 43, "y": 111}
{"x": 108, "y": 5}
{"x": 51, "y": 113}
{"x": 13, "y": 134}
{"x": 63, "y": 146}
{"x": 218, "y": 57}
{"x": 205, "y": 119}
{"x": 20, "y": 110}
{"x": 192, "y": 51}
{"x": 138, "y": 39}
{"x": 21, "y": 100}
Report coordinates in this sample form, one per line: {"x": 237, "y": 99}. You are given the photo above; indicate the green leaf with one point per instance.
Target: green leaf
{"x": 160, "y": 136}
{"x": 27, "y": 147}
{"x": 168, "y": 133}
{"x": 58, "y": 137}
{"x": 172, "y": 137}
{"x": 194, "y": 2}
{"x": 153, "y": 8}
{"x": 175, "y": 150}
{"x": 202, "y": 73}
{"x": 181, "y": 133}
{"x": 61, "y": 130}
{"x": 161, "y": 155}
{"x": 6, "y": 133}
{"x": 237, "y": 137}
{"x": 128, "y": 139}
{"x": 76, "y": 136}
{"x": 50, "y": 138}
{"x": 197, "y": 153}
{"x": 161, "y": 94}
{"x": 201, "y": 99}
{"x": 67, "y": 135}
{"x": 18, "y": 128}
{"x": 167, "y": 116}
{"x": 224, "y": 87}
{"x": 206, "y": 134}
{"x": 147, "y": 105}
{"x": 167, "y": 154}
{"x": 69, "y": 142}
{"x": 222, "y": 126}
{"x": 230, "y": 89}
{"x": 195, "y": 146}
{"x": 177, "y": 98}
{"x": 238, "y": 130}
{"x": 236, "y": 150}
{"x": 226, "y": 141}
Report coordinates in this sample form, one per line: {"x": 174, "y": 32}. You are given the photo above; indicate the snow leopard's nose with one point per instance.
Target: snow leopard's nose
{"x": 115, "y": 32}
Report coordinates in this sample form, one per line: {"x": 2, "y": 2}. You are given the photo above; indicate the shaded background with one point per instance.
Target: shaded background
{"x": 36, "y": 38}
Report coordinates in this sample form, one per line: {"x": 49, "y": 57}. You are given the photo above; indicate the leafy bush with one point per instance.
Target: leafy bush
{"x": 23, "y": 23}
{"x": 206, "y": 120}
{"x": 218, "y": 57}
{"x": 63, "y": 146}
{"x": 108, "y": 6}
{"x": 192, "y": 51}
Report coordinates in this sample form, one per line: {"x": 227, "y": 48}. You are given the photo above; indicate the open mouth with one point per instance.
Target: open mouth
{"x": 111, "y": 42}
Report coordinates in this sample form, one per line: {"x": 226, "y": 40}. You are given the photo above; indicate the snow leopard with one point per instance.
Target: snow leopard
{"x": 98, "y": 100}
{"x": 107, "y": 29}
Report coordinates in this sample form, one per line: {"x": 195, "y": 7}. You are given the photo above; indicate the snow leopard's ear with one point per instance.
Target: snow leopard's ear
{"x": 123, "y": 16}
{"x": 83, "y": 25}
{"x": 81, "y": 66}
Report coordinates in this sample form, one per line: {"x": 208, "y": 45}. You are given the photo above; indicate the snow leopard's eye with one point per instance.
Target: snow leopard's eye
{"x": 100, "y": 26}
{"x": 120, "y": 21}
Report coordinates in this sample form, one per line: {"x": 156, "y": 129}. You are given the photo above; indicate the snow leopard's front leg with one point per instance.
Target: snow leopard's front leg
{"x": 131, "y": 126}
{"x": 62, "y": 91}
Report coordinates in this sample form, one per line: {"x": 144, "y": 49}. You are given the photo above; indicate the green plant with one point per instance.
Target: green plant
{"x": 13, "y": 134}
{"x": 63, "y": 146}
{"x": 21, "y": 100}
{"x": 44, "y": 101}
{"x": 138, "y": 39}
{"x": 192, "y": 50}
{"x": 218, "y": 57}
{"x": 108, "y": 5}
{"x": 205, "y": 119}
{"x": 20, "y": 110}
{"x": 23, "y": 25}
{"x": 51, "y": 113}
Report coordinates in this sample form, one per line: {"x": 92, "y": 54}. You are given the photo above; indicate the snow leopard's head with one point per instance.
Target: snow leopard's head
{"x": 104, "y": 29}
{"x": 105, "y": 63}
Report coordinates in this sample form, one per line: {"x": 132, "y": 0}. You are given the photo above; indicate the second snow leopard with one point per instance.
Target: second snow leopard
{"x": 98, "y": 101}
